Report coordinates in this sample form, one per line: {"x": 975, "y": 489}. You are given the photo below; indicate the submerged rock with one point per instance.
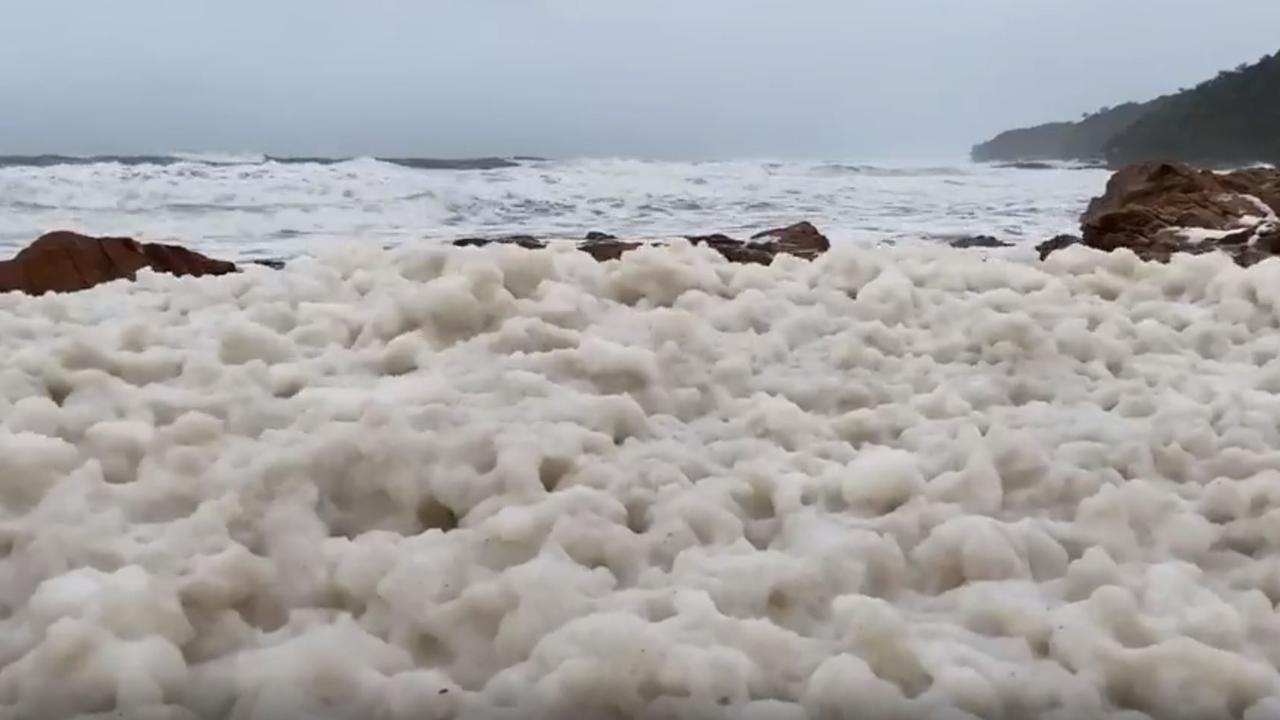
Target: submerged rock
{"x": 525, "y": 241}
{"x": 273, "y": 263}
{"x": 1159, "y": 209}
{"x": 606, "y": 248}
{"x": 1056, "y": 243}
{"x": 978, "y": 241}
{"x": 732, "y": 249}
{"x": 802, "y": 240}
{"x": 67, "y": 261}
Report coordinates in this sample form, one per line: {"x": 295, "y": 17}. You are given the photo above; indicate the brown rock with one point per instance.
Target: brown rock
{"x": 1173, "y": 187}
{"x": 746, "y": 253}
{"x": 603, "y": 249}
{"x": 734, "y": 250}
{"x": 1126, "y": 227}
{"x": 1147, "y": 207}
{"x": 1269, "y": 240}
{"x": 67, "y": 261}
{"x": 1261, "y": 183}
{"x": 802, "y": 240}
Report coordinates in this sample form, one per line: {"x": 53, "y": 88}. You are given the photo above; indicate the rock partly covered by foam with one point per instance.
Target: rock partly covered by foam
{"x": 978, "y": 241}
{"x": 67, "y": 261}
{"x": 1188, "y": 196}
{"x": 802, "y": 240}
{"x": 606, "y": 248}
{"x": 1158, "y": 209}
{"x": 1056, "y": 243}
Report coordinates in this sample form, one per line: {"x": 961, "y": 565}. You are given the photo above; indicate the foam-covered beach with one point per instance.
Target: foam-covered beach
{"x": 498, "y": 483}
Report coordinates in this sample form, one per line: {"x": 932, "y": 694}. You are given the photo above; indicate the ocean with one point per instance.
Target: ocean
{"x": 242, "y": 207}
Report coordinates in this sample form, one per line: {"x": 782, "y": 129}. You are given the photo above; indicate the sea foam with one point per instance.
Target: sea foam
{"x": 499, "y": 483}
{"x": 284, "y": 209}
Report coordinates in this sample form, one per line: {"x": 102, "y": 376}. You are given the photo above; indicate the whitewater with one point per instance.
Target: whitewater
{"x": 400, "y": 480}
{"x": 245, "y": 207}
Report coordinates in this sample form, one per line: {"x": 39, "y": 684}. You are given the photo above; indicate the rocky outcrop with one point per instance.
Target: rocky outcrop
{"x": 1190, "y": 196}
{"x": 802, "y": 240}
{"x": 1159, "y": 209}
{"x": 67, "y": 262}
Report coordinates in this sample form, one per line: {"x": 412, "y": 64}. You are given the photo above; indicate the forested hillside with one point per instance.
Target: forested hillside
{"x": 1233, "y": 119}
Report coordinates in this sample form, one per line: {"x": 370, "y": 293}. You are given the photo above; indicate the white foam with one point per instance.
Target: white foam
{"x": 501, "y": 483}
{"x": 1265, "y": 221}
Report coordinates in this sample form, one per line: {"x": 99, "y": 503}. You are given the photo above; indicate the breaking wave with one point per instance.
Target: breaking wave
{"x": 225, "y": 205}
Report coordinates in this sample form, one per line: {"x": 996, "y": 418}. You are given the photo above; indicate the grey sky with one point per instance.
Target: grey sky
{"x": 653, "y": 78}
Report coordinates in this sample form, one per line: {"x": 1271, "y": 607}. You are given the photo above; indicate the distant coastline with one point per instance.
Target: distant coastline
{"x": 1227, "y": 121}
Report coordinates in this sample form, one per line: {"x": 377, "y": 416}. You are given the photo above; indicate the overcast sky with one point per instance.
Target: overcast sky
{"x": 834, "y": 79}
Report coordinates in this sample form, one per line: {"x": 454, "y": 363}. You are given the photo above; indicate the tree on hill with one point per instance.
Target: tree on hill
{"x": 1233, "y": 119}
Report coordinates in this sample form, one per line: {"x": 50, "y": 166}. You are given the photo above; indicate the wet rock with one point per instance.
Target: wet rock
{"x": 979, "y": 241}
{"x": 1056, "y": 243}
{"x": 273, "y": 263}
{"x": 802, "y": 240}
{"x": 525, "y": 241}
{"x": 1182, "y": 195}
{"x": 66, "y": 262}
{"x": 606, "y": 248}
{"x": 1264, "y": 244}
{"x": 733, "y": 249}
{"x": 1159, "y": 209}
{"x": 715, "y": 240}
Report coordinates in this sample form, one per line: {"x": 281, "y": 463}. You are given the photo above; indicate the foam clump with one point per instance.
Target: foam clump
{"x": 501, "y": 483}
